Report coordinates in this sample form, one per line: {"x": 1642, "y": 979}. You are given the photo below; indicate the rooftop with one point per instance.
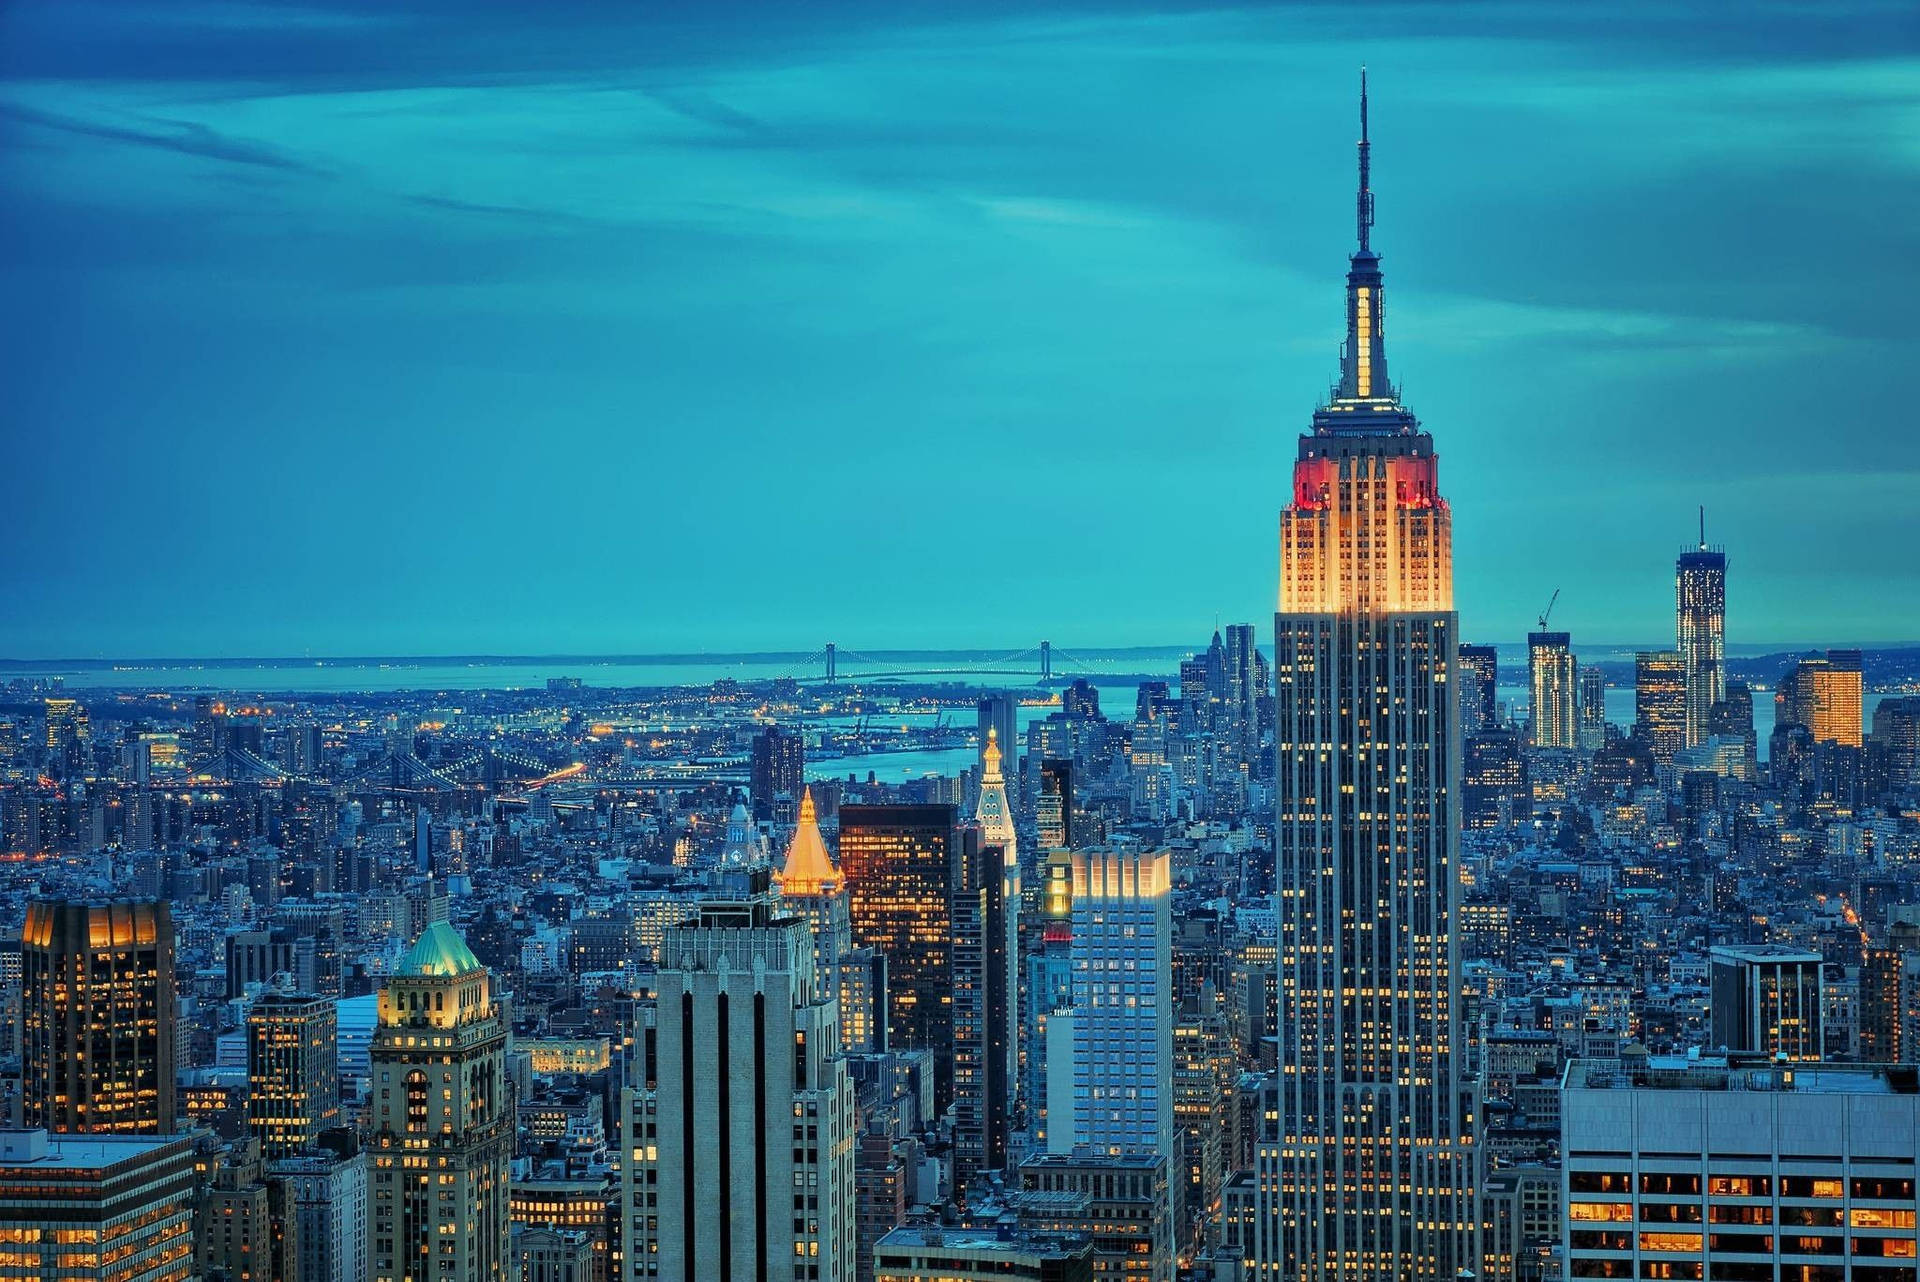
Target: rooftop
{"x": 1737, "y": 1072}
{"x": 987, "y": 1239}
{"x": 36, "y": 1150}
{"x": 439, "y": 951}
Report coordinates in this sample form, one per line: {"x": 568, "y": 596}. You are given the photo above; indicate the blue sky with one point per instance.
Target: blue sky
{"x": 415, "y": 327}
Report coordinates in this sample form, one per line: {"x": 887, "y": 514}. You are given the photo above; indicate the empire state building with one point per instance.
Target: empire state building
{"x": 1366, "y": 1172}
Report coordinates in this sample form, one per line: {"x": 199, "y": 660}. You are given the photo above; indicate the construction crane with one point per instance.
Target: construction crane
{"x": 1549, "y": 610}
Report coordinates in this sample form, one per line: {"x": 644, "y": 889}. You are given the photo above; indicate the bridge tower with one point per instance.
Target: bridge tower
{"x": 832, "y": 660}
{"x": 1046, "y": 663}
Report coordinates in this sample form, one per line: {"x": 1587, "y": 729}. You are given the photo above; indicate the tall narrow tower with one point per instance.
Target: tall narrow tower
{"x": 995, "y": 818}
{"x": 1369, "y": 1173}
{"x": 442, "y": 1126}
{"x": 1700, "y": 630}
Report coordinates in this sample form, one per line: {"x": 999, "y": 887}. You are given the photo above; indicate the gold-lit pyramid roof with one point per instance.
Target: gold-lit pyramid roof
{"x": 808, "y": 871}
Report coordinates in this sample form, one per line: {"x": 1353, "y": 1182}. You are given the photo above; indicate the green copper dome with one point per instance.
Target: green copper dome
{"x": 439, "y": 951}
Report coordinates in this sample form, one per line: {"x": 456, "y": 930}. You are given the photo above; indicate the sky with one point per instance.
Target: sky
{"x": 445, "y": 326}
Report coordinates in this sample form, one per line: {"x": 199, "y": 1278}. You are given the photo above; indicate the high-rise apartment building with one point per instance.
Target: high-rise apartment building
{"x": 898, "y": 863}
{"x": 1660, "y": 702}
{"x": 1479, "y": 688}
{"x": 96, "y": 1208}
{"x": 777, "y": 771}
{"x": 1370, "y": 1172}
{"x": 1554, "y": 690}
{"x": 442, "y": 1124}
{"x": 1700, "y": 631}
{"x": 293, "y": 1071}
{"x": 739, "y": 1113}
{"x": 1767, "y": 999}
{"x": 1738, "y": 1168}
{"x": 97, "y": 1003}
{"x": 1823, "y": 693}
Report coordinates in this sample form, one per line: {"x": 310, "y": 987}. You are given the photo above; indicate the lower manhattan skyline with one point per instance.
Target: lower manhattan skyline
{"x": 638, "y": 643}
{"x": 374, "y": 285}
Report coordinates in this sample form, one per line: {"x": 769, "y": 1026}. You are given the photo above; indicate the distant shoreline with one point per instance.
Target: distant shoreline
{"x": 1749, "y": 652}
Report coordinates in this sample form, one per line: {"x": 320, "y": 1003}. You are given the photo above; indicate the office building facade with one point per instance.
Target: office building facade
{"x": 1739, "y": 1169}
{"x": 96, "y": 1208}
{"x": 1767, "y": 999}
{"x": 739, "y": 1114}
{"x": 97, "y": 1017}
{"x": 293, "y": 1071}
{"x": 1123, "y": 1003}
{"x": 1660, "y": 702}
{"x": 898, "y": 865}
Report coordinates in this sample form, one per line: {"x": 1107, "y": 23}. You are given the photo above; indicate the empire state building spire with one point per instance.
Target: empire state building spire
{"x": 1368, "y": 1169}
{"x": 1363, "y": 363}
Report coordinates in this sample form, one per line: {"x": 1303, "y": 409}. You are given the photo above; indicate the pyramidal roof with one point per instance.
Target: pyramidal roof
{"x": 808, "y": 871}
{"x": 439, "y": 951}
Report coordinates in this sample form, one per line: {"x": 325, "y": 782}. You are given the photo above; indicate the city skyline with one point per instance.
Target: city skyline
{"x": 518, "y": 279}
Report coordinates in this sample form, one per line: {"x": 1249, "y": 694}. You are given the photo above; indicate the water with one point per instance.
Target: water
{"x": 342, "y": 676}
{"x": 428, "y": 675}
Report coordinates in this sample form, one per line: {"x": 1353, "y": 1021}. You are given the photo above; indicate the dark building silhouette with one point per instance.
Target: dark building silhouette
{"x": 778, "y": 772}
{"x": 899, "y": 867}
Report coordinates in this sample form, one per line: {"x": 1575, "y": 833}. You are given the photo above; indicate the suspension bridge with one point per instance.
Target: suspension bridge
{"x": 832, "y": 664}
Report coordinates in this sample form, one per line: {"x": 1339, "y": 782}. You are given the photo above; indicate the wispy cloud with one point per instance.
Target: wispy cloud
{"x": 189, "y": 138}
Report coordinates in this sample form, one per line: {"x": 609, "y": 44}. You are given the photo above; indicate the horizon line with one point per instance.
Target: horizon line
{"x": 661, "y": 658}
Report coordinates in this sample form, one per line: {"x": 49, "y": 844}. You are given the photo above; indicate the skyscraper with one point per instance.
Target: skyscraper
{"x": 293, "y": 1072}
{"x": 1122, "y": 1002}
{"x": 1732, "y": 718}
{"x": 1554, "y": 694}
{"x": 898, "y": 864}
{"x": 984, "y": 1008}
{"x": 1823, "y": 693}
{"x": 1660, "y": 702}
{"x": 740, "y": 1109}
{"x": 97, "y": 1004}
{"x": 994, "y": 814}
{"x": 1369, "y": 1175}
{"x": 1593, "y": 709}
{"x": 1700, "y": 630}
{"x": 442, "y": 1118}
{"x": 777, "y": 768}
{"x": 1242, "y": 695}
{"x": 1479, "y": 688}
